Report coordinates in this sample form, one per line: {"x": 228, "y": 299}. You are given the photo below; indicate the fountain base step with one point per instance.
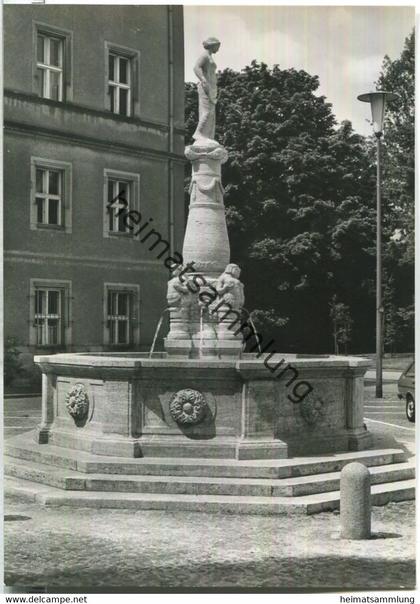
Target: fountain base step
{"x": 57, "y": 476}
{"x": 311, "y": 504}
{"x": 171, "y": 446}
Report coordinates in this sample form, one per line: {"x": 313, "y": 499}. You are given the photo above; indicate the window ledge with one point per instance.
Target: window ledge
{"x": 50, "y": 227}
{"x": 100, "y": 112}
{"x": 123, "y": 235}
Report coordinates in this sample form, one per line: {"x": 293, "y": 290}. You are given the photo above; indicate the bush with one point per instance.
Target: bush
{"x": 34, "y": 376}
{"x": 12, "y": 364}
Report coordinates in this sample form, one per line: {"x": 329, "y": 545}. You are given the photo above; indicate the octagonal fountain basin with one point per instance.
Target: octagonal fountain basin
{"x": 130, "y": 405}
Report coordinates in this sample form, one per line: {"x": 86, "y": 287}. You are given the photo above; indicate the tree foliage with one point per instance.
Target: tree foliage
{"x": 398, "y": 76}
{"x": 398, "y": 191}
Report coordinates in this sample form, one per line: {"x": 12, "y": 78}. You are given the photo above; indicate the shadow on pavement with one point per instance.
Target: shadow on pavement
{"x": 276, "y": 574}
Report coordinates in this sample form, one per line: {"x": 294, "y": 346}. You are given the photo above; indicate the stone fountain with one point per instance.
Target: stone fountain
{"x": 203, "y": 408}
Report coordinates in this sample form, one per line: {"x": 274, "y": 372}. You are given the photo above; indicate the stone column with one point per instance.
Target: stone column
{"x": 206, "y": 255}
{"x": 206, "y": 242}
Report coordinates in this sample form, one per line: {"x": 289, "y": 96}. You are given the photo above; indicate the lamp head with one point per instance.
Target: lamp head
{"x": 377, "y": 102}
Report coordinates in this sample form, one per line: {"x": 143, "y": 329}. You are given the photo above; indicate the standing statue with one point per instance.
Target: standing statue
{"x": 205, "y": 70}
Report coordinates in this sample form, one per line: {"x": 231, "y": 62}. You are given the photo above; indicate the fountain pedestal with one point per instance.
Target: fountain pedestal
{"x": 200, "y": 316}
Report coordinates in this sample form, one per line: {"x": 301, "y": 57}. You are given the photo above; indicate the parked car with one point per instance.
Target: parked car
{"x": 406, "y": 391}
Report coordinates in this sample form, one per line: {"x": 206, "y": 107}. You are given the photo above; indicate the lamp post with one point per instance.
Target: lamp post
{"x": 377, "y": 102}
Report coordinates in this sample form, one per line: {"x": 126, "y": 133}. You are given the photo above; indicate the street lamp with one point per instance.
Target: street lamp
{"x": 377, "y": 102}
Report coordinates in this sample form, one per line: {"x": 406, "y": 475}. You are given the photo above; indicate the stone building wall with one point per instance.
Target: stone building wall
{"x": 87, "y": 141}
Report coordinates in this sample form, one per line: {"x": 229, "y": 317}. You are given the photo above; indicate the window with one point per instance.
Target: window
{"x": 122, "y": 66}
{"x": 48, "y": 317}
{"x": 50, "y": 66}
{"x": 119, "y": 317}
{"x": 50, "y": 313}
{"x": 119, "y": 84}
{"x": 121, "y": 194}
{"x": 121, "y": 314}
{"x": 50, "y": 195}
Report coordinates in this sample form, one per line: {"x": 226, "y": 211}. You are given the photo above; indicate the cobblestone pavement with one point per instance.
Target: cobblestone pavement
{"x": 105, "y": 550}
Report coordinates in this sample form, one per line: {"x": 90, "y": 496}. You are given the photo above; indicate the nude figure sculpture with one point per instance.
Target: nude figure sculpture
{"x": 205, "y": 70}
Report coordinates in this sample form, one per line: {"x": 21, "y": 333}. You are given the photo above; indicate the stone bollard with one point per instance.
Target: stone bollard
{"x": 355, "y": 506}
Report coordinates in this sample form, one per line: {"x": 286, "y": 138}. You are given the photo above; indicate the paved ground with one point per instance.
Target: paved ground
{"x": 386, "y": 418}
{"x": 64, "y": 549}
{"x": 21, "y": 414}
{"x": 388, "y": 376}
{"x": 397, "y": 362}
{"x": 82, "y": 550}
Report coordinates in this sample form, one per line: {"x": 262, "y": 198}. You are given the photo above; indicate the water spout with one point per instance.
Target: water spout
{"x": 159, "y": 325}
{"x": 253, "y": 329}
{"x": 200, "y": 349}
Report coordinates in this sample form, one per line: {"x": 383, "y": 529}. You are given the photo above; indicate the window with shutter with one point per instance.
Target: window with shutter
{"x": 50, "y": 199}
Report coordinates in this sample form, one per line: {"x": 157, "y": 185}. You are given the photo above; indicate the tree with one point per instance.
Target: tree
{"x": 398, "y": 187}
{"x": 341, "y": 323}
{"x": 299, "y": 203}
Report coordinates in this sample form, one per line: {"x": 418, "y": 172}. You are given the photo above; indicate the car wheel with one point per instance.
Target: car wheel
{"x": 410, "y": 409}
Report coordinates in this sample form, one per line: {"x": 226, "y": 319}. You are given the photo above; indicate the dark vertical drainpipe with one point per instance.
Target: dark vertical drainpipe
{"x": 171, "y": 129}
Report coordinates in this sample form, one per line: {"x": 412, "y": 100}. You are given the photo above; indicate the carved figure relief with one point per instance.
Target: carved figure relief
{"x": 178, "y": 294}
{"x": 229, "y": 288}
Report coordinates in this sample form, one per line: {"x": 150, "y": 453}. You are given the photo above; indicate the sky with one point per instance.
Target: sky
{"x": 343, "y": 45}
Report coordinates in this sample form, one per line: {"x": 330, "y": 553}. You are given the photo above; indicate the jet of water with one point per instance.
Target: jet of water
{"x": 159, "y": 325}
{"x": 200, "y": 350}
{"x": 253, "y": 329}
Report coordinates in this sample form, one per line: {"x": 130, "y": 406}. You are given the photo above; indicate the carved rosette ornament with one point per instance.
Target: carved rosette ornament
{"x": 77, "y": 402}
{"x": 188, "y": 406}
{"x": 312, "y": 410}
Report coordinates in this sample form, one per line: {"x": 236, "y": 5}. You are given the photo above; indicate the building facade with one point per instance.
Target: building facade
{"x": 93, "y": 115}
